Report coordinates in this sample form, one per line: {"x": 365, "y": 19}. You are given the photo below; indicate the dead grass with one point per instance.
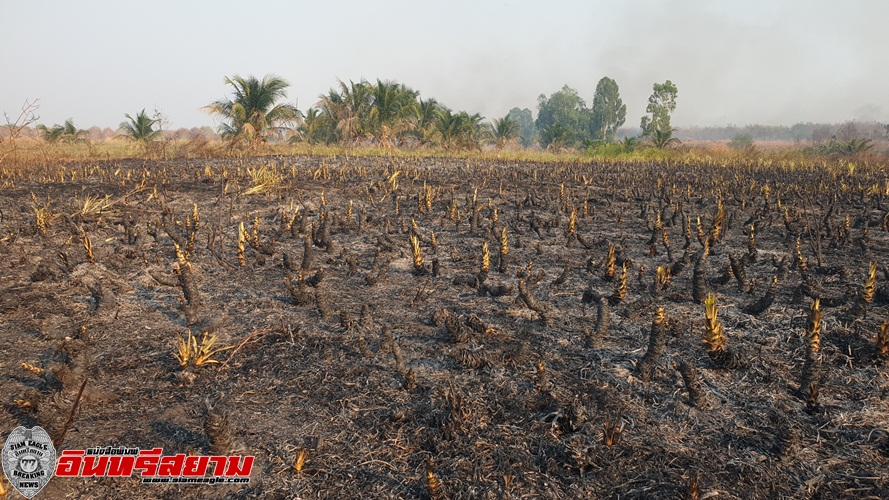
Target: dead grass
{"x": 31, "y": 152}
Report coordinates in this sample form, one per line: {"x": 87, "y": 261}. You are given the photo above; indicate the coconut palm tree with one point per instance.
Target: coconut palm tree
{"x": 425, "y": 112}
{"x": 474, "y": 130}
{"x": 140, "y": 128}
{"x": 253, "y": 113}
{"x": 629, "y": 144}
{"x": 505, "y": 129}
{"x": 315, "y": 127}
{"x": 393, "y": 106}
{"x": 349, "y": 108}
{"x": 425, "y": 121}
{"x": 51, "y": 135}
{"x": 459, "y": 130}
{"x": 449, "y": 126}
{"x": 663, "y": 138}
{"x": 61, "y": 133}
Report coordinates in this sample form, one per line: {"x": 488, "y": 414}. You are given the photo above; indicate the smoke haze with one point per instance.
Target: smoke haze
{"x": 766, "y": 62}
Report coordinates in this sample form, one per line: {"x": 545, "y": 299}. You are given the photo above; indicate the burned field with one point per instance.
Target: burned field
{"x": 402, "y": 328}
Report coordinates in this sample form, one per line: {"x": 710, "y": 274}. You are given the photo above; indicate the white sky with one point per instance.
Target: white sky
{"x": 739, "y": 62}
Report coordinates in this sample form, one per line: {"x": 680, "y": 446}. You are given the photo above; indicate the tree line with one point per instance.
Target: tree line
{"x": 391, "y": 114}
{"x": 798, "y": 132}
{"x": 388, "y": 113}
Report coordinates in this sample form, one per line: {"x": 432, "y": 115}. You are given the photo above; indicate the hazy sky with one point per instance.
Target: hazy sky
{"x": 740, "y": 62}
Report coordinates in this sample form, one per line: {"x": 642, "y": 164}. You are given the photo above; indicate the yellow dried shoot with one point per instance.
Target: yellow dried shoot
{"x": 813, "y": 327}
{"x": 486, "y": 258}
{"x": 611, "y": 432}
{"x": 43, "y": 215}
{"x": 609, "y": 261}
{"x": 427, "y": 197}
{"x": 181, "y": 256}
{"x": 660, "y": 315}
{"x": 417, "y": 253}
{"x": 33, "y": 369}
{"x": 620, "y": 292}
{"x": 433, "y": 485}
{"x": 700, "y": 232}
{"x": 93, "y": 206}
{"x": 190, "y": 351}
{"x": 393, "y": 180}
{"x": 870, "y": 284}
{"x": 300, "y": 460}
{"x": 883, "y": 339}
{"x": 800, "y": 261}
{"x": 87, "y": 246}
{"x": 263, "y": 179}
{"x": 714, "y": 337}
{"x": 662, "y": 277}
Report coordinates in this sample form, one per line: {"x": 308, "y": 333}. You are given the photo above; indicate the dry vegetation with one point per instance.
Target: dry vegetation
{"x": 402, "y": 327}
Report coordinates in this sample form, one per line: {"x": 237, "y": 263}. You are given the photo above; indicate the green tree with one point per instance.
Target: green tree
{"x": 663, "y": 138}
{"x": 504, "y": 130}
{"x": 459, "y": 130}
{"x": 51, "y": 135}
{"x": 315, "y": 128}
{"x": 660, "y": 105}
{"x": 140, "y": 128}
{"x": 450, "y": 127}
{"x": 391, "y": 111}
{"x": 473, "y": 130}
{"x": 609, "y": 112}
{"x": 425, "y": 121}
{"x": 349, "y": 109}
{"x": 252, "y": 114}
{"x": 556, "y": 136}
{"x": 525, "y": 121}
{"x": 61, "y": 133}
{"x": 563, "y": 110}
{"x": 846, "y": 148}
{"x": 629, "y": 144}
{"x": 742, "y": 142}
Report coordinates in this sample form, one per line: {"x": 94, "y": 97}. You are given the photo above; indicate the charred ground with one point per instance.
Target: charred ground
{"x": 388, "y": 374}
